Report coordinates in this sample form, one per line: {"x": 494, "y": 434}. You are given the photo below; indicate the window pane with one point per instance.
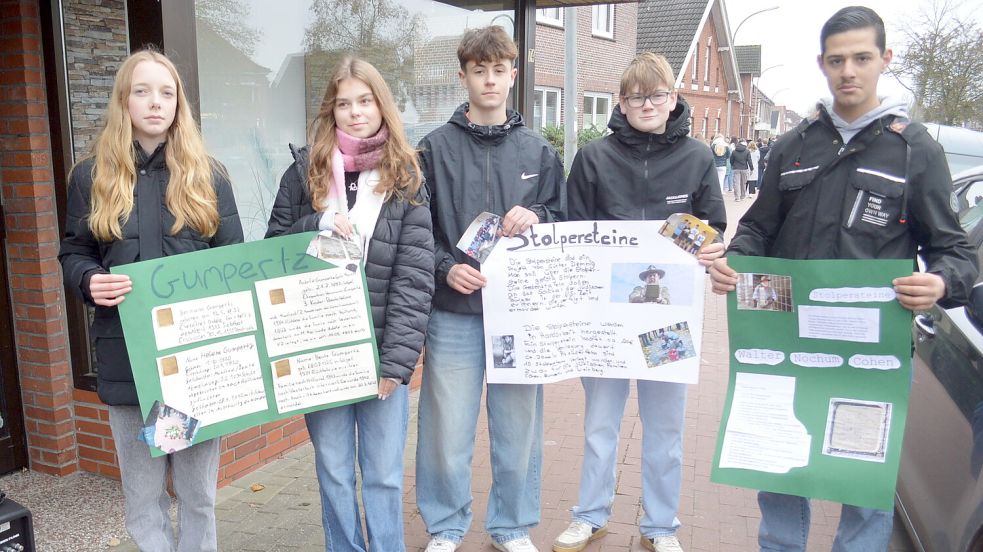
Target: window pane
{"x": 588, "y": 108}
{"x": 263, "y": 69}
{"x": 537, "y": 109}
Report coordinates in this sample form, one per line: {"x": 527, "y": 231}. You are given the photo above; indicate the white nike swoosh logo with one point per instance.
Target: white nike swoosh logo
{"x": 525, "y": 176}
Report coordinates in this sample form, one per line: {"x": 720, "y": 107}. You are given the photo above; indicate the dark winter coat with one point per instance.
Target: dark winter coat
{"x": 471, "y": 169}
{"x": 822, "y": 199}
{"x": 398, "y": 267}
{"x": 146, "y": 236}
{"x": 740, "y": 159}
{"x": 633, "y": 175}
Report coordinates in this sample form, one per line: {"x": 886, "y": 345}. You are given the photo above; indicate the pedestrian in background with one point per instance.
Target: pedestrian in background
{"x": 740, "y": 161}
{"x": 752, "y": 182}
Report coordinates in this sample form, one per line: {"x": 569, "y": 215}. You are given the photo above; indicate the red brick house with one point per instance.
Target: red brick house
{"x": 695, "y": 37}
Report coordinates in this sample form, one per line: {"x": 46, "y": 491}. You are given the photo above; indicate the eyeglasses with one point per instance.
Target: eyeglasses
{"x": 637, "y": 100}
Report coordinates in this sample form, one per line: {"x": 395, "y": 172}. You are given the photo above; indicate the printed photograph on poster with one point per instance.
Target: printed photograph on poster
{"x": 168, "y": 428}
{"x": 661, "y": 284}
{"x": 481, "y": 236}
{"x": 667, "y": 345}
{"x": 503, "y": 351}
{"x": 768, "y": 292}
{"x": 688, "y": 232}
{"x": 337, "y": 250}
{"x": 857, "y": 429}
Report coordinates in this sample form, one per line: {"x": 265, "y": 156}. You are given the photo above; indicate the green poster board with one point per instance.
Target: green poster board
{"x": 241, "y": 335}
{"x": 830, "y": 342}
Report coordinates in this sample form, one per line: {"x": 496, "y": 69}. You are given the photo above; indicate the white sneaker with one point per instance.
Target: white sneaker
{"x": 662, "y": 544}
{"x": 437, "y": 544}
{"x": 577, "y": 536}
{"x": 521, "y": 544}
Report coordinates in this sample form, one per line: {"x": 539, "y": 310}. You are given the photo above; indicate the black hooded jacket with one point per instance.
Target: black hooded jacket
{"x": 633, "y": 175}
{"x": 470, "y": 169}
{"x": 146, "y": 236}
{"x": 740, "y": 160}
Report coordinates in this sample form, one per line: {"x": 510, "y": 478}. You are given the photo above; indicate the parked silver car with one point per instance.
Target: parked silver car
{"x": 963, "y": 147}
{"x": 940, "y": 491}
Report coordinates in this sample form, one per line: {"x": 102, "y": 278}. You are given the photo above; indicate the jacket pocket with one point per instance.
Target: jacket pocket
{"x": 797, "y": 178}
{"x": 876, "y": 199}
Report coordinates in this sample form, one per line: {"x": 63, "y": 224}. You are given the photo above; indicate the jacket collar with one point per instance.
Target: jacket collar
{"x": 483, "y": 133}
{"x": 677, "y": 126}
{"x": 156, "y": 160}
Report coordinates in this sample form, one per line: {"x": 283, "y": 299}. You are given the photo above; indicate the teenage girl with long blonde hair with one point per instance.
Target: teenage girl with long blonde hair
{"x": 148, "y": 190}
{"x": 361, "y": 173}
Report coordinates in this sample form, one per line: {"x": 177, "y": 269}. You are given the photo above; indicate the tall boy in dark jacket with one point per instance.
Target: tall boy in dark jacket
{"x": 647, "y": 169}
{"x": 483, "y": 159}
{"x": 856, "y": 181}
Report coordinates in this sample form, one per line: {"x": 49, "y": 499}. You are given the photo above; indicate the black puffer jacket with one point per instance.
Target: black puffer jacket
{"x": 740, "y": 160}
{"x": 471, "y": 168}
{"x": 823, "y": 199}
{"x": 633, "y": 175}
{"x": 146, "y": 236}
{"x": 398, "y": 268}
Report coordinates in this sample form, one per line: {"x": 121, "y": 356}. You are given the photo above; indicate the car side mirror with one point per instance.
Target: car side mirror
{"x": 974, "y": 308}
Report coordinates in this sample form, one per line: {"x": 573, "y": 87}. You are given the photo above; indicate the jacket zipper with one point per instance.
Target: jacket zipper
{"x": 645, "y": 173}
{"x": 488, "y": 205}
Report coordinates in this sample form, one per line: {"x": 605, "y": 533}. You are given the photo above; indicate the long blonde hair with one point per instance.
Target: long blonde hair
{"x": 190, "y": 194}
{"x": 398, "y": 157}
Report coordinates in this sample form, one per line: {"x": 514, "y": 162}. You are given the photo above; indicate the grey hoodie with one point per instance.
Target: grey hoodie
{"x": 888, "y": 106}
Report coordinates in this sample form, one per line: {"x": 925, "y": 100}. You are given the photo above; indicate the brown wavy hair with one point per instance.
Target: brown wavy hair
{"x": 399, "y": 170}
{"x": 190, "y": 195}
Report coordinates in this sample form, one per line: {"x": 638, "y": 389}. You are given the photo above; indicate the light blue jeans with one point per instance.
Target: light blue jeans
{"x": 785, "y": 525}
{"x": 453, "y": 377}
{"x": 379, "y": 427}
{"x": 194, "y": 474}
{"x": 662, "y": 408}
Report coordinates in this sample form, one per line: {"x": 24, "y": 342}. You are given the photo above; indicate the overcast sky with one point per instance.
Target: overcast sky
{"x": 789, "y": 38}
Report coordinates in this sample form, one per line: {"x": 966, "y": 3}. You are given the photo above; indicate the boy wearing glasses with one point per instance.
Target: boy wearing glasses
{"x": 647, "y": 169}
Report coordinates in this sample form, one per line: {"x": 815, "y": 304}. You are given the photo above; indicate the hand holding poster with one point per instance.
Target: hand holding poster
{"x": 607, "y": 299}
{"x": 820, "y": 370}
{"x": 232, "y": 337}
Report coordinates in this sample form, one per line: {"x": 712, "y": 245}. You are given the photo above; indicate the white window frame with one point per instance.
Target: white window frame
{"x": 594, "y": 96}
{"x": 550, "y": 16}
{"x": 546, "y": 90}
{"x": 706, "y": 63}
{"x": 602, "y": 20}
{"x": 696, "y": 66}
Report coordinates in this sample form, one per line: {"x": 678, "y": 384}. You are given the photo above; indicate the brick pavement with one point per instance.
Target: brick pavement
{"x": 285, "y": 515}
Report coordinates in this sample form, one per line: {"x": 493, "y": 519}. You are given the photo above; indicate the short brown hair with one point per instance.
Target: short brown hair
{"x": 484, "y": 44}
{"x": 648, "y": 72}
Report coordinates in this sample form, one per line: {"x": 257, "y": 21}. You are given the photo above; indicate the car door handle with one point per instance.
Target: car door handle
{"x": 926, "y": 327}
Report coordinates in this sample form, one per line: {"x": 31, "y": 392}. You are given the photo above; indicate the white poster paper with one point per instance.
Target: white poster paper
{"x": 854, "y": 324}
{"x": 762, "y": 432}
{"x": 216, "y": 382}
{"x": 609, "y": 299}
{"x": 323, "y": 377}
{"x": 189, "y": 322}
{"x": 313, "y": 310}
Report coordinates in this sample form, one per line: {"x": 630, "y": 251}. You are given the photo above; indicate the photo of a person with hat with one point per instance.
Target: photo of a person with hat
{"x": 653, "y": 291}
{"x": 764, "y": 296}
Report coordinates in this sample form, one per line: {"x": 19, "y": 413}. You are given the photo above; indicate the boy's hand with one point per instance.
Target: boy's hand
{"x": 723, "y": 277}
{"x": 710, "y": 252}
{"x": 466, "y": 279}
{"x": 517, "y": 221}
{"x": 920, "y": 291}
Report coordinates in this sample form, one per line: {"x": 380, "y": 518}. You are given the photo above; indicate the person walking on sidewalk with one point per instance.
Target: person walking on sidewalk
{"x": 858, "y": 153}
{"x": 752, "y": 181}
{"x": 149, "y": 190}
{"x": 721, "y": 153}
{"x": 360, "y": 172}
{"x": 628, "y": 175}
{"x": 740, "y": 160}
{"x": 483, "y": 159}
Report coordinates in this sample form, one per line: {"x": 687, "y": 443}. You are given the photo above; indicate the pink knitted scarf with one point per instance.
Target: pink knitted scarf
{"x": 354, "y": 155}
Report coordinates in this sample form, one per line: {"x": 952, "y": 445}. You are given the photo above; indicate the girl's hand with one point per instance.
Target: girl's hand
{"x": 109, "y": 290}
{"x": 710, "y": 252}
{"x": 386, "y": 387}
{"x": 342, "y": 226}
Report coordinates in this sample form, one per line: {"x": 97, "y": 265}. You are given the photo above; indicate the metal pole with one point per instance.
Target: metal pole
{"x": 569, "y": 87}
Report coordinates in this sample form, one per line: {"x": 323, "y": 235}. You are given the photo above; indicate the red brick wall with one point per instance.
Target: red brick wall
{"x": 708, "y": 98}
{"x": 28, "y": 190}
{"x": 600, "y": 61}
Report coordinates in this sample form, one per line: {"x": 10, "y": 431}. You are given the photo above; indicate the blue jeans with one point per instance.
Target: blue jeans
{"x": 194, "y": 474}
{"x": 450, "y": 398}
{"x": 785, "y": 525}
{"x": 379, "y": 427}
{"x": 662, "y": 408}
